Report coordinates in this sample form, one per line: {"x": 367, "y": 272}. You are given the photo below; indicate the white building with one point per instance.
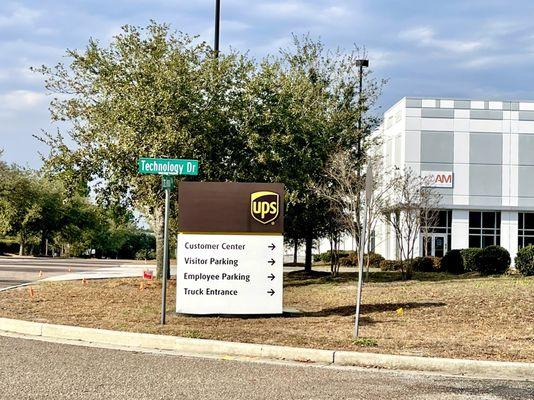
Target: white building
{"x": 481, "y": 154}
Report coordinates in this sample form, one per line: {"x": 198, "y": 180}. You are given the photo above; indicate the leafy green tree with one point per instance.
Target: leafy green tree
{"x": 155, "y": 93}
{"x": 302, "y": 107}
{"x": 20, "y": 206}
{"x": 150, "y": 93}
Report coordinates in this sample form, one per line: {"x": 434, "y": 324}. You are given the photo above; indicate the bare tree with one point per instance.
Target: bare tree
{"x": 378, "y": 201}
{"x": 342, "y": 187}
{"x": 411, "y": 198}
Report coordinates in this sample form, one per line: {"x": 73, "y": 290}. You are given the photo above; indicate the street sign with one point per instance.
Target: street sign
{"x": 167, "y": 166}
{"x": 167, "y": 182}
{"x": 230, "y": 248}
{"x": 229, "y": 274}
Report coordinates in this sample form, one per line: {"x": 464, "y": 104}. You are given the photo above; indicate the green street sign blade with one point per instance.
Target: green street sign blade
{"x": 167, "y": 166}
{"x": 167, "y": 182}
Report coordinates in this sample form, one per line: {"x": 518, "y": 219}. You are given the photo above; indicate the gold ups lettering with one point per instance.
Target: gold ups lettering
{"x": 264, "y": 206}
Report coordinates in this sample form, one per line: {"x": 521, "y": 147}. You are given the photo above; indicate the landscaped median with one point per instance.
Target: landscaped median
{"x": 434, "y": 315}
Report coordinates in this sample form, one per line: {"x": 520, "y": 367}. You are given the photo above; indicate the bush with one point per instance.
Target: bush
{"x": 423, "y": 264}
{"x": 8, "y": 246}
{"x": 326, "y": 257}
{"x": 347, "y": 261}
{"x": 390, "y": 265}
{"x": 145, "y": 254}
{"x": 453, "y": 262}
{"x": 469, "y": 256}
{"x": 493, "y": 260}
{"x": 374, "y": 259}
{"x": 524, "y": 261}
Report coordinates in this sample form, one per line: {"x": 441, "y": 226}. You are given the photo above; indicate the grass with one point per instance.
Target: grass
{"x": 442, "y": 315}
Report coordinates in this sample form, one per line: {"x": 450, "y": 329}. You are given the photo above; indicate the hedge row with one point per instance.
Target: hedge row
{"x": 350, "y": 258}
{"x": 488, "y": 261}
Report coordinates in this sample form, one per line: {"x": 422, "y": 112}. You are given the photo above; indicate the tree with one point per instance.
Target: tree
{"x": 20, "y": 204}
{"x": 155, "y": 93}
{"x": 410, "y": 199}
{"x": 342, "y": 187}
{"x": 151, "y": 93}
{"x": 302, "y": 107}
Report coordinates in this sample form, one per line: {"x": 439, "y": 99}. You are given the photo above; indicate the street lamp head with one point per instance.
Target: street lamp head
{"x": 362, "y": 63}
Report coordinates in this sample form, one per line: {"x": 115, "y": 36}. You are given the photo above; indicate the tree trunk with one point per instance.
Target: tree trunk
{"x": 22, "y": 242}
{"x": 295, "y": 252}
{"x": 308, "y": 258}
{"x": 159, "y": 230}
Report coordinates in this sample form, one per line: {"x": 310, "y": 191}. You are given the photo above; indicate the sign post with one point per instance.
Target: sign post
{"x": 368, "y": 197}
{"x": 168, "y": 168}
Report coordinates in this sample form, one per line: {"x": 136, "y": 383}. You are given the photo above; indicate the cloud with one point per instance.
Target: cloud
{"x": 20, "y": 100}
{"x": 426, "y": 37}
{"x": 311, "y": 11}
{"x": 18, "y": 16}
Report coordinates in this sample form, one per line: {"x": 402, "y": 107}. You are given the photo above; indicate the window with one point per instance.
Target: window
{"x": 484, "y": 228}
{"x": 525, "y": 235}
{"x": 439, "y": 222}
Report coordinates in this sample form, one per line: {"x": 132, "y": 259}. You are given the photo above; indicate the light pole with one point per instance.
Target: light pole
{"x": 217, "y": 26}
{"x": 360, "y": 63}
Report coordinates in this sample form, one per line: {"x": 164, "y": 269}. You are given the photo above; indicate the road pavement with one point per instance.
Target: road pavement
{"x": 32, "y": 369}
{"x": 19, "y": 270}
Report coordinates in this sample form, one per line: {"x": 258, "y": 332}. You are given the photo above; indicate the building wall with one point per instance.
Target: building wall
{"x": 487, "y": 145}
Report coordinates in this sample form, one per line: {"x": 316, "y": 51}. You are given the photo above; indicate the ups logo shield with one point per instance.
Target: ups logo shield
{"x": 264, "y": 206}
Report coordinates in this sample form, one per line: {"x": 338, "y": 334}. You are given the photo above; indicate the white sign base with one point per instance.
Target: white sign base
{"x": 229, "y": 274}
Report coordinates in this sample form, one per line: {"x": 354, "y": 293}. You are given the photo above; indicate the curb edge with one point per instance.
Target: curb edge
{"x": 460, "y": 367}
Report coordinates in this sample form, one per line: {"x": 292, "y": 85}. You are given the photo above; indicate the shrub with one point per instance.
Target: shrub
{"x": 469, "y": 256}
{"x": 493, "y": 260}
{"x": 374, "y": 259}
{"x": 8, "y": 246}
{"x": 390, "y": 265}
{"x": 326, "y": 257}
{"x": 453, "y": 262}
{"x": 347, "y": 261}
{"x": 316, "y": 257}
{"x": 145, "y": 254}
{"x": 524, "y": 261}
{"x": 423, "y": 264}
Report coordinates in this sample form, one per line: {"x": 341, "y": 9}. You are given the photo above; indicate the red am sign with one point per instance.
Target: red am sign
{"x": 442, "y": 179}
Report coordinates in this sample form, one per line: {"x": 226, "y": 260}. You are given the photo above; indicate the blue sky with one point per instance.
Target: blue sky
{"x": 455, "y": 48}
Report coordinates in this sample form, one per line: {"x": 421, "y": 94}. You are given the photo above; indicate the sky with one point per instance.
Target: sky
{"x": 481, "y": 49}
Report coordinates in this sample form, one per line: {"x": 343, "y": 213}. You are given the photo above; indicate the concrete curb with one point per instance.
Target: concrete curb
{"x": 475, "y": 368}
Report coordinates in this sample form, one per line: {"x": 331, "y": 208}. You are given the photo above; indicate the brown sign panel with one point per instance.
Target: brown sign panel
{"x": 231, "y": 207}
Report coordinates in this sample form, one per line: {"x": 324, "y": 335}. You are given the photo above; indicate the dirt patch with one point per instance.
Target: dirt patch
{"x": 434, "y": 315}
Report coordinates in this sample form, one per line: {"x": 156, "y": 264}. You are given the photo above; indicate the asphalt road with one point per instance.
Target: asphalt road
{"x": 19, "y": 270}
{"x": 31, "y": 369}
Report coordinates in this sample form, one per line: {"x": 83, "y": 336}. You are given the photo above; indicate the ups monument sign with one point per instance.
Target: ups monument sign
{"x": 230, "y": 248}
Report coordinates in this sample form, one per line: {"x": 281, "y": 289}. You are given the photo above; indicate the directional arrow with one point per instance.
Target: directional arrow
{"x": 271, "y": 292}
{"x": 271, "y": 277}
{"x": 272, "y": 246}
{"x": 271, "y": 261}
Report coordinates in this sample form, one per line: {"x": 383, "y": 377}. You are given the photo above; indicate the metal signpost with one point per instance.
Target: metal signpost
{"x": 168, "y": 168}
{"x": 368, "y": 197}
